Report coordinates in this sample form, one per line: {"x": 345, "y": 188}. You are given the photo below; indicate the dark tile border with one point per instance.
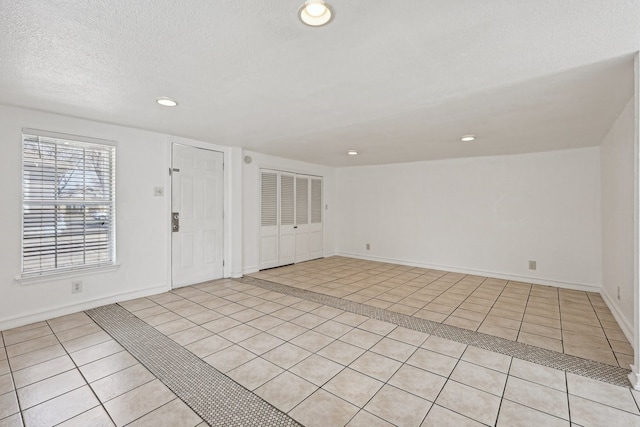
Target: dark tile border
{"x": 216, "y": 398}
{"x": 552, "y": 359}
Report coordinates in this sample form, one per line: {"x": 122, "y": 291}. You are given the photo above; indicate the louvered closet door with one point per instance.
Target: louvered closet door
{"x": 287, "y": 243}
{"x": 269, "y": 235}
{"x": 303, "y": 184}
{"x": 315, "y": 226}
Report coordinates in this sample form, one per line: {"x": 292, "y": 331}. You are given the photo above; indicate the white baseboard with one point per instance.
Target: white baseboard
{"x": 14, "y": 322}
{"x": 526, "y": 279}
{"x": 627, "y": 329}
{"x": 249, "y": 270}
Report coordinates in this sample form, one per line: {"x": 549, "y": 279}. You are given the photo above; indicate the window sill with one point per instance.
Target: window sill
{"x": 32, "y": 280}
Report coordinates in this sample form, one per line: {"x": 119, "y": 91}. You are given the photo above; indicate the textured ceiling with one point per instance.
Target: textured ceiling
{"x": 398, "y": 81}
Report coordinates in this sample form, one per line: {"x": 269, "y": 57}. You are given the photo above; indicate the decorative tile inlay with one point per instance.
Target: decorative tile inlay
{"x": 216, "y": 398}
{"x": 553, "y": 359}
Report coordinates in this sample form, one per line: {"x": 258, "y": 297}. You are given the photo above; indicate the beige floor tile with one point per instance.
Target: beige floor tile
{"x": 80, "y": 331}
{"x": 239, "y": 333}
{"x": 544, "y": 331}
{"x": 6, "y": 383}
{"x": 246, "y": 315}
{"x": 138, "y": 304}
{"x": 341, "y": 352}
{"x": 150, "y": 311}
{"x": 333, "y": 329}
{"x": 479, "y": 377}
{"x": 220, "y": 325}
{"x": 36, "y": 357}
{"x": 470, "y": 402}
{"x": 61, "y": 408}
{"x": 160, "y": 319}
{"x": 26, "y": 335}
{"x": 172, "y": 327}
{"x": 354, "y": 387}
{"x": 23, "y": 328}
{"x": 287, "y": 313}
{"x": 189, "y": 336}
{"x": 607, "y": 394}
{"x": 8, "y": 404}
{"x": 317, "y": 369}
{"x": 444, "y": 346}
{"x": 323, "y": 409}
{"x": 311, "y": 341}
{"x": 462, "y": 323}
{"x": 588, "y": 413}
{"x": 14, "y": 420}
{"x": 516, "y": 415}
{"x": 398, "y": 407}
{"x": 69, "y": 321}
{"x": 229, "y": 358}
{"x": 93, "y": 353}
{"x": 49, "y": 388}
{"x": 260, "y": 343}
{"x": 138, "y": 402}
{"x": 286, "y": 355}
{"x": 588, "y": 352}
{"x": 107, "y": 366}
{"x": 540, "y": 341}
{"x": 265, "y": 322}
{"x": 173, "y": 413}
{"x": 86, "y": 341}
{"x": 542, "y": 321}
{"x": 486, "y": 358}
{"x": 377, "y": 326}
{"x": 408, "y": 336}
{"x": 350, "y": 319}
{"x": 433, "y": 362}
{"x": 287, "y": 331}
{"x": 430, "y": 315}
{"x": 498, "y": 331}
{"x": 204, "y": 317}
{"x": 121, "y": 382}
{"x": 417, "y": 381}
{"x": 374, "y": 302}
{"x": 366, "y": 419}
{"x": 394, "y": 349}
{"x": 538, "y": 374}
{"x": 255, "y": 373}
{"x": 443, "y": 417}
{"x": 31, "y": 345}
{"x": 208, "y": 346}
{"x": 361, "y": 338}
{"x": 538, "y": 397}
{"x": 286, "y": 391}
{"x": 42, "y": 371}
{"x": 309, "y": 320}
{"x": 376, "y": 366}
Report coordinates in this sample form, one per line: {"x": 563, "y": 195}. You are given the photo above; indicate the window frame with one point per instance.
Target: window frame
{"x": 73, "y": 269}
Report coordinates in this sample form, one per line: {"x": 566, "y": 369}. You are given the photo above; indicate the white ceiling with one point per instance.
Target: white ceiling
{"x": 396, "y": 80}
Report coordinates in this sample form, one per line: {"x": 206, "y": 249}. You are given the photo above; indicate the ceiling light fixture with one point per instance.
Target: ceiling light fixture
{"x": 315, "y": 13}
{"x": 467, "y": 138}
{"x": 352, "y": 152}
{"x": 166, "y": 102}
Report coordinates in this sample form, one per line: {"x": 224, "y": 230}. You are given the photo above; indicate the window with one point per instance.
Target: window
{"x": 68, "y": 203}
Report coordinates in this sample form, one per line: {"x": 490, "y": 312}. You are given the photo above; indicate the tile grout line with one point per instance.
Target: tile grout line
{"x": 591, "y": 369}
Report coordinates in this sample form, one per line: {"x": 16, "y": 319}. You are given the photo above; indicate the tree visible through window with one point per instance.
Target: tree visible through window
{"x": 68, "y": 204}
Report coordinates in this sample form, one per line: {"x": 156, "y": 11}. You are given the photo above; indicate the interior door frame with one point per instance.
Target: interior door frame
{"x": 225, "y": 225}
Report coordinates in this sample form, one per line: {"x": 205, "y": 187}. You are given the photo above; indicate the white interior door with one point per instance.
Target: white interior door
{"x": 197, "y": 198}
{"x": 316, "y": 241}
{"x": 302, "y": 218}
{"x": 287, "y": 243}
{"x": 269, "y": 219}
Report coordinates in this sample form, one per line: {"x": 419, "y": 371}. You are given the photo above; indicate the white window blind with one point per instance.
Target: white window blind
{"x": 68, "y": 204}
{"x": 269, "y": 199}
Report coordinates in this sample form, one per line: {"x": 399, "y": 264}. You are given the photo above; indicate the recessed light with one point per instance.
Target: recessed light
{"x": 315, "y": 13}
{"x": 467, "y": 138}
{"x": 166, "y": 102}
{"x": 352, "y": 152}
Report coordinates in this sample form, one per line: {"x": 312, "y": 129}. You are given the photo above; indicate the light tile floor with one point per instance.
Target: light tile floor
{"x": 320, "y": 365}
{"x": 573, "y": 322}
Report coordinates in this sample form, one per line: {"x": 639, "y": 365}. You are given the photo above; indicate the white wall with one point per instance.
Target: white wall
{"x": 250, "y": 202}
{"x": 488, "y": 215}
{"x": 143, "y": 228}
{"x": 617, "y": 172}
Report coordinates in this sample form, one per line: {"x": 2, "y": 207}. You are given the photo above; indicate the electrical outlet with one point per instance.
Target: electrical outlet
{"x": 618, "y": 293}
{"x": 532, "y": 265}
{"x": 158, "y": 191}
{"x": 367, "y": 246}
{"x": 76, "y": 286}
